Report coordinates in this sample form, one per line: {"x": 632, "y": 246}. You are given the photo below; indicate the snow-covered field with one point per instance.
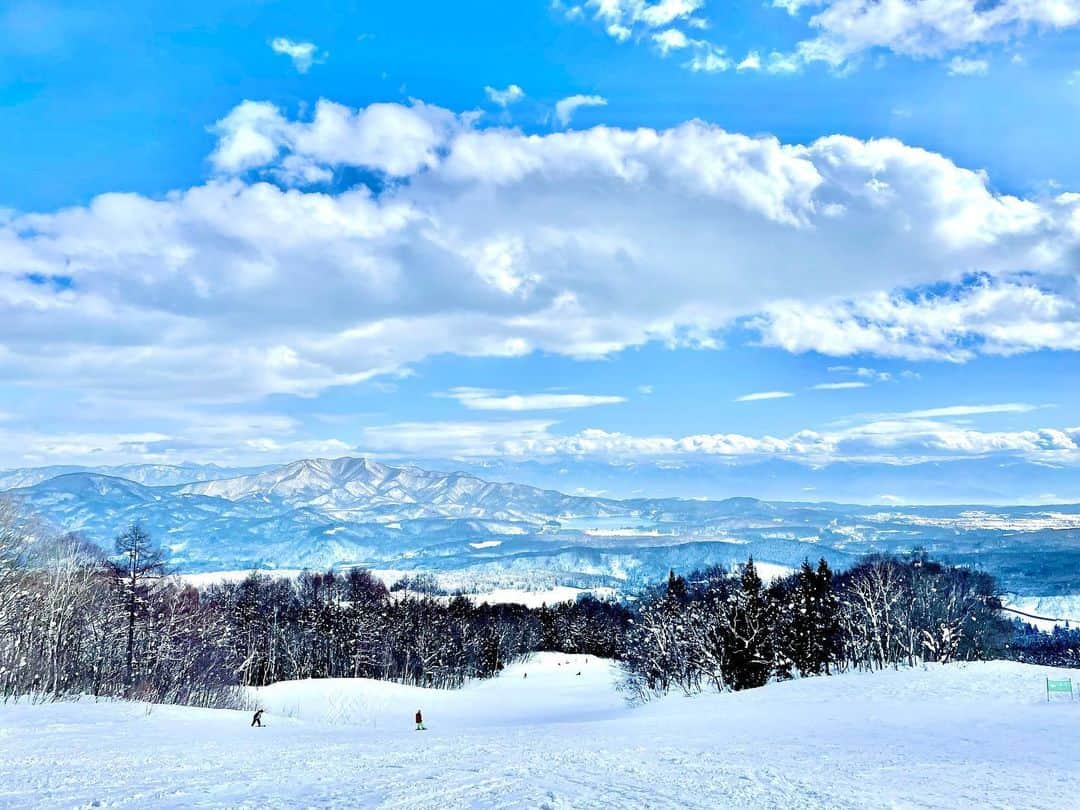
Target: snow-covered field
{"x": 1063, "y": 610}
{"x": 956, "y": 736}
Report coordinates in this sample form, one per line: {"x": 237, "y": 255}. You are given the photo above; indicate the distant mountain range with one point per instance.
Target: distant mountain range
{"x": 161, "y": 475}
{"x": 470, "y": 531}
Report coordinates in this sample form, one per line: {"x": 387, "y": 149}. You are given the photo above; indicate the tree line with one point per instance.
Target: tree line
{"x": 729, "y": 630}
{"x": 74, "y": 620}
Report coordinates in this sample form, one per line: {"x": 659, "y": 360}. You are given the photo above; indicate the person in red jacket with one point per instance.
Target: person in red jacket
{"x": 420, "y": 721}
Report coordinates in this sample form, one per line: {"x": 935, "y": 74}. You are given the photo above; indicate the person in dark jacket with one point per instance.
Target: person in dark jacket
{"x": 257, "y": 719}
{"x": 420, "y": 721}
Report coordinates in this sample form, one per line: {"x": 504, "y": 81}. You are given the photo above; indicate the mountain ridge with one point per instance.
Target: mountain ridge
{"x": 358, "y": 511}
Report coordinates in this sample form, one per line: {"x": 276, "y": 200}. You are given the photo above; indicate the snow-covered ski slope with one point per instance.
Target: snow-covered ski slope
{"x": 977, "y": 735}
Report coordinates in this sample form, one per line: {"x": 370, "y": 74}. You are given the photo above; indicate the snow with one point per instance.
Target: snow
{"x": 1058, "y": 610}
{"x": 203, "y": 580}
{"x": 530, "y": 598}
{"x": 956, "y": 736}
{"x": 534, "y": 599}
{"x": 771, "y": 571}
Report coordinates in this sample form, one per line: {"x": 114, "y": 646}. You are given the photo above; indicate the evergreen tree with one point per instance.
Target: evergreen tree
{"x": 139, "y": 564}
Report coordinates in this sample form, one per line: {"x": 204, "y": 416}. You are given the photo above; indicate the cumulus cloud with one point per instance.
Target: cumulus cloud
{"x": 565, "y": 108}
{"x": 989, "y": 316}
{"x": 840, "y": 32}
{"x": 492, "y": 242}
{"x": 485, "y": 399}
{"x": 847, "y": 29}
{"x": 302, "y": 54}
{"x": 391, "y": 138}
{"x": 504, "y": 98}
{"x": 894, "y": 440}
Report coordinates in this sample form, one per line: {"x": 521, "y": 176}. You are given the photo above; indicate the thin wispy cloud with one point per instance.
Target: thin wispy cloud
{"x": 840, "y": 386}
{"x": 565, "y": 108}
{"x": 483, "y": 399}
{"x": 971, "y": 410}
{"x": 760, "y": 395}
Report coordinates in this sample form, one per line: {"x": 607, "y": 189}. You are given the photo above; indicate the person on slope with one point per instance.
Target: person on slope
{"x": 257, "y": 719}
{"x": 420, "y": 721}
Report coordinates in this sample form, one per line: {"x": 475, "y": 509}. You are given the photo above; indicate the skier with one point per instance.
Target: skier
{"x": 420, "y": 721}
{"x": 257, "y": 719}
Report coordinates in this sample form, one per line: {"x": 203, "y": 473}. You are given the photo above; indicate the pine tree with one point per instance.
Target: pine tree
{"x": 826, "y": 620}
{"x": 751, "y": 627}
{"x": 140, "y": 563}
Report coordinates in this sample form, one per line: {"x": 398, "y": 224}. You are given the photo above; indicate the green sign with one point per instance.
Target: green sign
{"x": 1059, "y": 686}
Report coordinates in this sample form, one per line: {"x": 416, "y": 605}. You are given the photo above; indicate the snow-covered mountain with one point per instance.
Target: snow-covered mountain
{"x": 325, "y": 512}
{"x": 361, "y": 488}
{"x": 149, "y": 474}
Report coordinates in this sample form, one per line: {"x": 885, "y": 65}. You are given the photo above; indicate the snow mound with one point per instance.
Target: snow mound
{"x": 546, "y": 689}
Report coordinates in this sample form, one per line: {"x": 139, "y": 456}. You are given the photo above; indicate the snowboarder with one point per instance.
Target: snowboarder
{"x": 257, "y": 719}
{"x": 526, "y": 675}
{"x": 420, "y": 721}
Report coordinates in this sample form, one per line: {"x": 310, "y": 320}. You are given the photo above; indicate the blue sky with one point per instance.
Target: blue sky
{"x": 612, "y": 231}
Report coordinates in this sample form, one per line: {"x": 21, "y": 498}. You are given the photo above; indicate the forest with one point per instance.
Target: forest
{"x": 75, "y": 620}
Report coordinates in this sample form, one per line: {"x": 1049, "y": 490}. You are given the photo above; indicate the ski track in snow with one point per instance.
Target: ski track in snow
{"x": 974, "y": 735}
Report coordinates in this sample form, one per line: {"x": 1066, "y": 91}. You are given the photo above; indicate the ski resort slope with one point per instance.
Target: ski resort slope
{"x": 976, "y": 735}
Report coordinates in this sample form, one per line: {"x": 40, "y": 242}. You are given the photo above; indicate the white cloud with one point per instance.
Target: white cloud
{"x": 896, "y": 440}
{"x": 994, "y": 317}
{"x": 492, "y": 242}
{"x": 960, "y": 66}
{"x": 840, "y": 386}
{"x": 483, "y": 399}
{"x": 565, "y": 108}
{"x": 864, "y": 373}
{"x": 705, "y": 56}
{"x": 783, "y": 63}
{"x": 235, "y": 438}
{"x": 450, "y": 439}
{"x": 841, "y": 32}
{"x": 970, "y": 410}
{"x": 392, "y": 138}
{"x": 763, "y": 395}
{"x": 663, "y": 23}
{"x": 751, "y": 62}
{"x": 671, "y": 39}
{"x": 303, "y": 54}
{"x": 504, "y": 98}
{"x": 846, "y": 29}
{"x": 632, "y": 14}
{"x": 708, "y": 58}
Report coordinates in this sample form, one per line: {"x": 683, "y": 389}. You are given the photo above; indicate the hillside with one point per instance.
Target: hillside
{"x": 319, "y": 513}
{"x": 975, "y": 735}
